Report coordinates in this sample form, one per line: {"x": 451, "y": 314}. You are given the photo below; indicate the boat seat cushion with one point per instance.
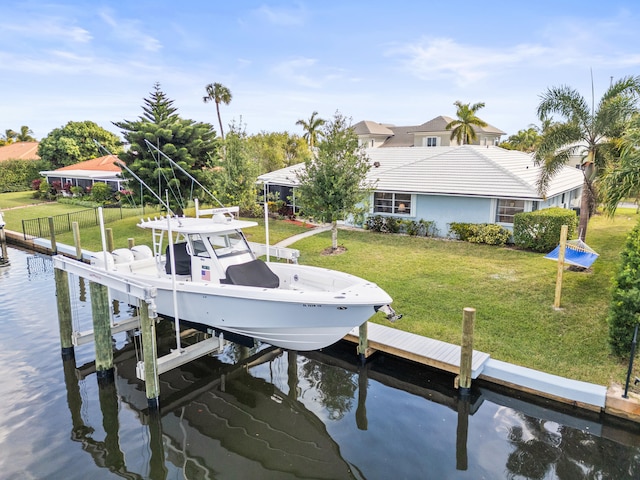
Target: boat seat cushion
{"x": 255, "y": 273}
{"x": 183, "y": 259}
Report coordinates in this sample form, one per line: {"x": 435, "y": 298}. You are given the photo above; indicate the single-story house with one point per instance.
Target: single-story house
{"x": 19, "y": 151}
{"x": 85, "y": 174}
{"x": 467, "y": 183}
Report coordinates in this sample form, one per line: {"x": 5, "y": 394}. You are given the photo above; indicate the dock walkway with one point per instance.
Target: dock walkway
{"x": 426, "y": 351}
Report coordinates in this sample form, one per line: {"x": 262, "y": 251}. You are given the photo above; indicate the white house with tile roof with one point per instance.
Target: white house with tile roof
{"x": 429, "y": 134}
{"x": 85, "y": 174}
{"x": 467, "y": 183}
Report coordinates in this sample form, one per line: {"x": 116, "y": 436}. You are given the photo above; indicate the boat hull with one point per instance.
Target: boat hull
{"x": 292, "y": 325}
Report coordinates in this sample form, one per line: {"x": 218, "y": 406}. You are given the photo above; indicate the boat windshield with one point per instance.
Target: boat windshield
{"x": 228, "y": 244}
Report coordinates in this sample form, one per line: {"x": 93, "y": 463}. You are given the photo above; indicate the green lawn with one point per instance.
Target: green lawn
{"x": 431, "y": 281}
{"x": 16, "y": 199}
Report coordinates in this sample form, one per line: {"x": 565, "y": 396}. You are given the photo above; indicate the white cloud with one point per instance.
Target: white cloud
{"x": 282, "y": 16}
{"x": 445, "y": 58}
{"x": 130, "y": 32}
{"x": 51, "y": 28}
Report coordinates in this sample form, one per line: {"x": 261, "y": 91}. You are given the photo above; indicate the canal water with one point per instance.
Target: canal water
{"x": 263, "y": 413}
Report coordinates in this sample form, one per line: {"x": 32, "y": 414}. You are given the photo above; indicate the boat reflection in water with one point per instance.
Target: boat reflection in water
{"x": 216, "y": 419}
{"x": 268, "y": 413}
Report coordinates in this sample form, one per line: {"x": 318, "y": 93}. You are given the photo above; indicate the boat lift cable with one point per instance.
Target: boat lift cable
{"x": 121, "y": 164}
{"x": 178, "y": 197}
{"x": 170, "y": 214}
{"x": 193, "y": 179}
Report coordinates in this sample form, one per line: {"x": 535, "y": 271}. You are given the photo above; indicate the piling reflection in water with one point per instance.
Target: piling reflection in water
{"x": 267, "y": 413}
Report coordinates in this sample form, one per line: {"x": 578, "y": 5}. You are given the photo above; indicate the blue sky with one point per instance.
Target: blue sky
{"x": 401, "y": 62}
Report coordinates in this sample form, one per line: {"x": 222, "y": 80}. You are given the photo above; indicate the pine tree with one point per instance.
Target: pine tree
{"x": 192, "y": 145}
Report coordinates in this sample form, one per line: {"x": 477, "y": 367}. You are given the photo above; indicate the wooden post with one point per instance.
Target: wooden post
{"x": 76, "y": 239}
{"x": 150, "y": 357}
{"x": 63, "y": 300}
{"x": 561, "y": 252}
{"x": 3, "y": 246}
{"x": 132, "y": 242}
{"x": 52, "y": 232}
{"x": 363, "y": 342}
{"x": 102, "y": 331}
{"x": 109, "y": 233}
{"x": 466, "y": 350}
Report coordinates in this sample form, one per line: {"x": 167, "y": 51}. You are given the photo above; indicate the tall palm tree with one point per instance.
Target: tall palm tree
{"x": 462, "y": 128}
{"x": 218, "y": 93}
{"x": 311, "y": 128}
{"x": 587, "y": 130}
{"x": 25, "y": 135}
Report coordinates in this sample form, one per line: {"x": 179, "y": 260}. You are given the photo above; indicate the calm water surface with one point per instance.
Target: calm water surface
{"x": 265, "y": 413}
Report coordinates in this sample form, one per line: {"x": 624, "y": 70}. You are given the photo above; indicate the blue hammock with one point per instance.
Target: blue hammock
{"x": 576, "y": 253}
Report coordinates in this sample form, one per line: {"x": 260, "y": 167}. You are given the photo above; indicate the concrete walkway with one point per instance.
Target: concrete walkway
{"x": 291, "y": 240}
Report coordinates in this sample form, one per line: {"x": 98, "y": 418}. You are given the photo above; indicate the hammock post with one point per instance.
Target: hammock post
{"x": 561, "y": 252}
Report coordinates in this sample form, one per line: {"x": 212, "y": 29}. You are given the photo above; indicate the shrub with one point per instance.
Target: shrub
{"x": 462, "y": 231}
{"x": 421, "y": 228}
{"x": 35, "y": 184}
{"x": 540, "y": 230}
{"x": 625, "y": 301}
{"x": 44, "y": 190}
{"x": 18, "y": 175}
{"x": 489, "y": 233}
{"x": 393, "y": 224}
{"x": 376, "y": 223}
{"x": 101, "y": 192}
{"x": 77, "y": 191}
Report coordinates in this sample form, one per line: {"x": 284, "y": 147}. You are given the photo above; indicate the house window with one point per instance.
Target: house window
{"x": 430, "y": 142}
{"x": 394, "y": 203}
{"x": 507, "y": 208}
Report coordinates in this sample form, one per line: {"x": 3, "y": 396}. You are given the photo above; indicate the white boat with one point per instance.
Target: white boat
{"x": 216, "y": 280}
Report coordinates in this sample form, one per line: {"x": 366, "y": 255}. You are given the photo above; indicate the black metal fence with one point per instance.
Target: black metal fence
{"x": 39, "y": 227}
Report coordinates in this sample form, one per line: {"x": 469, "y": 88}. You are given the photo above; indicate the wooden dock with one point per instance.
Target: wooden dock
{"x": 426, "y": 351}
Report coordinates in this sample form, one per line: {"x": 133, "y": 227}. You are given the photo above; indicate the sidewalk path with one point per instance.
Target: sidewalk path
{"x": 291, "y": 240}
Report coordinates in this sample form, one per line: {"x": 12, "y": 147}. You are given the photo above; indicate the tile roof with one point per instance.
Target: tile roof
{"x": 466, "y": 170}
{"x": 102, "y": 164}
{"x": 19, "y": 151}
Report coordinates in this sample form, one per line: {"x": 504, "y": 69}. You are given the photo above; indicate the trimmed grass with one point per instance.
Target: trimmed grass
{"x": 431, "y": 281}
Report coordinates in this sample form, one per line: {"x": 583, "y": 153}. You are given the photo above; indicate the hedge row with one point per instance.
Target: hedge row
{"x": 489, "y": 233}
{"x": 540, "y": 230}
{"x": 420, "y": 228}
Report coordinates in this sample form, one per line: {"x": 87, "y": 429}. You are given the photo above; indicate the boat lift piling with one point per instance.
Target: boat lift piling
{"x": 4, "y": 259}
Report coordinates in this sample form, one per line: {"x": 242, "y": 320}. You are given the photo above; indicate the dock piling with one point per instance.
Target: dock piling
{"x": 102, "y": 330}
{"x": 63, "y": 300}
{"x": 466, "y": 351}
{"x": 52, "y": 232}
{"x": 76, "y": 239}
{"x": 150, "y": 356}
{"x": 4, "y": 259}
{"x": 363, "y": 343}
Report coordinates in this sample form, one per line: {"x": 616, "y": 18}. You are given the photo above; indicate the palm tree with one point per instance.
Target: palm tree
{"x": 622, "y": 178}
{"x": 25, "y": 135}
{"x": 311, "y": 128}
{"x": 9, "y": 136}
{"x": 218, "y": 93}
{"x": 463, "y": 130}
{"x": 586, "y": 130}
